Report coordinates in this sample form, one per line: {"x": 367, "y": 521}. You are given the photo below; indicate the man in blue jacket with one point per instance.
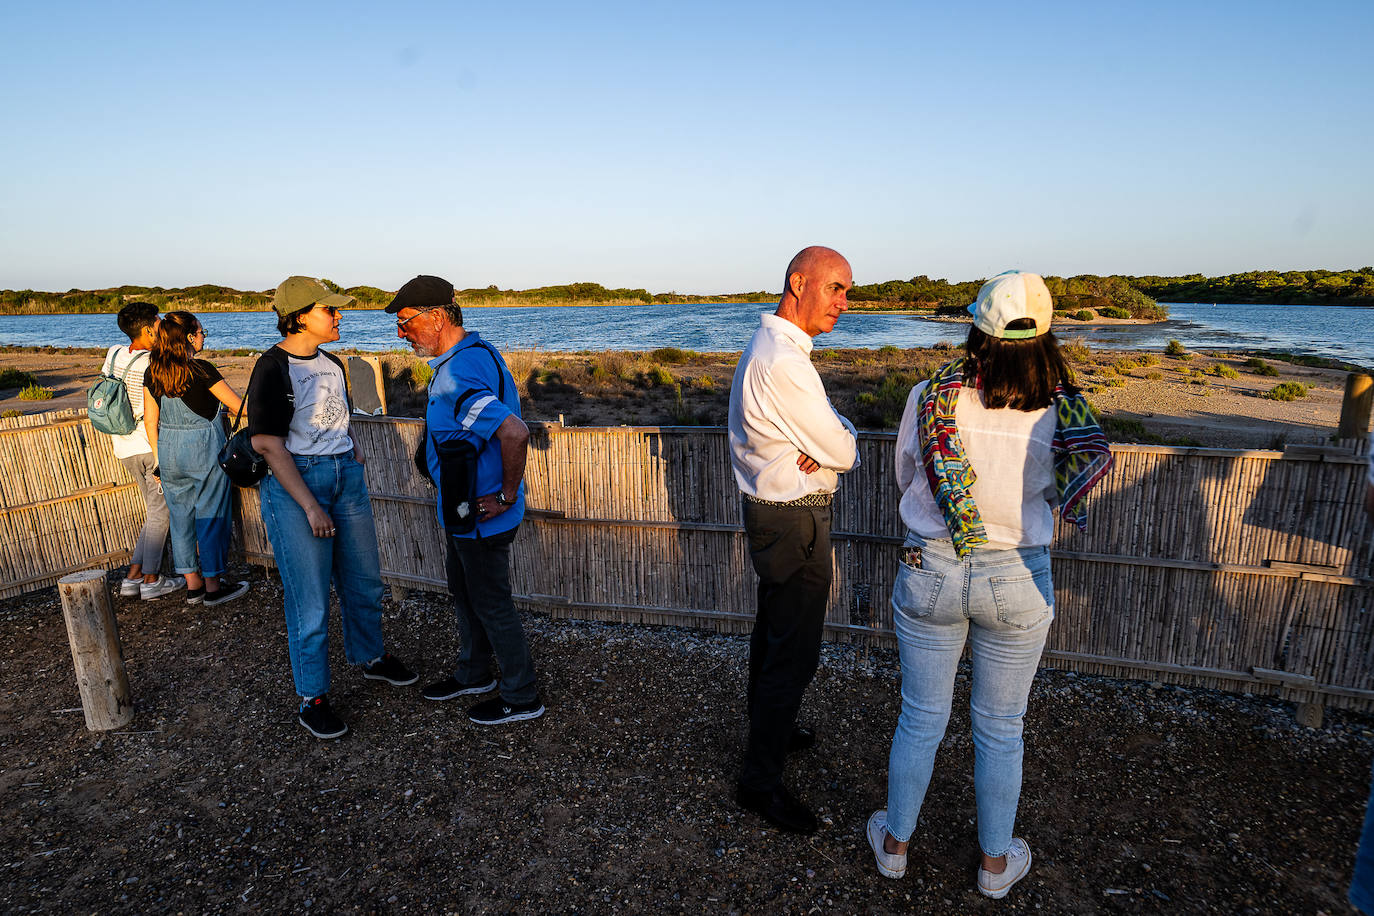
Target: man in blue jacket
{"x": 474, "y": 452}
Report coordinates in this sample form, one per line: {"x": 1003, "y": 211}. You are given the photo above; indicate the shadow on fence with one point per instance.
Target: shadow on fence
{"x": 1236, "y": 570}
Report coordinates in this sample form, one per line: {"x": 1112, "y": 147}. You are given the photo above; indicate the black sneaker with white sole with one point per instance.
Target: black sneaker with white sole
{"x": 391, "y": 669}
{"x": 498, "y": 711}
{"x": 450, "y": 688}
{"x": 225, "y": 593}
{"x": 319, "y": 719}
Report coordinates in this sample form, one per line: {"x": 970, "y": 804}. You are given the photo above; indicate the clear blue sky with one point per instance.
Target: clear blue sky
{"x": 678, "y": 146}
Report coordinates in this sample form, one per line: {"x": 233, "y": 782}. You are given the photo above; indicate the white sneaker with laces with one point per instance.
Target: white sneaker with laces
{"x": 129, "y": 587}
{"x": 1018, "y": 864}
{"x": 164, "y": 585}
{"x": 890, "y": 864}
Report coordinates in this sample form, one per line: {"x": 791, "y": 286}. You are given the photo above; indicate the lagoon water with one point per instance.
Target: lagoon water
{"x": 1334, "y": 331}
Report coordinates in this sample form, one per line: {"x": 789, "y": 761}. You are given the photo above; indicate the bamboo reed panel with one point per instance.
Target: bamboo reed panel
{"x": 1171, "y": 582}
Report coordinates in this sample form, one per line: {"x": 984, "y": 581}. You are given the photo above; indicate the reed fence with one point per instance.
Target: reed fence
{"x": 1232, "y": 569}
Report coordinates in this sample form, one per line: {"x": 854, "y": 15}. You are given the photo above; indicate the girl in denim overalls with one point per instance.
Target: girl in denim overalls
{"x": 182, "y": 397}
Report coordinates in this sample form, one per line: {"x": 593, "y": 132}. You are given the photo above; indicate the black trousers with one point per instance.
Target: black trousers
{"x": 790, "y": 549}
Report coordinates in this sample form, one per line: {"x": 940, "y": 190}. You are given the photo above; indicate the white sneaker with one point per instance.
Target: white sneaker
{"x": 890, "y": 865}
{"x": 163, "y": 586}
{"x": 129, "y": 587}
{"x": 1018, "y": 864}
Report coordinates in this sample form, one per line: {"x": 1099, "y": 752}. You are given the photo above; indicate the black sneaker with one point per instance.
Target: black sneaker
{"x": 449, "y": 688}
{"x": 319, "y": 719}
{"x": 498, "y": 711}
{"x": 389, "y": 668}
{"x": 195, "y": 595}
{"x": 225, "y": 593}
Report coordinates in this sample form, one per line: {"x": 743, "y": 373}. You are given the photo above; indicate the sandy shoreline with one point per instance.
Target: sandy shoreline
{"x": 1148, "y": 396}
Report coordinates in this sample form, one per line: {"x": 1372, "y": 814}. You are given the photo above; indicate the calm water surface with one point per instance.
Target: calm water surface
{"x": 1334, "y": 331}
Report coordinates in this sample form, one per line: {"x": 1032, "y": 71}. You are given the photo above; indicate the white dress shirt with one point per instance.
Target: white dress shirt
{"x": 778, "y": 411}
{"x": 1010, "y": 451}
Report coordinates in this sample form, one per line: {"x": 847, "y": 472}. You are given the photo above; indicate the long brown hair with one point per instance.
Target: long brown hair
{"x": 171, "y": 360}
{"x": 1020, "y": 374}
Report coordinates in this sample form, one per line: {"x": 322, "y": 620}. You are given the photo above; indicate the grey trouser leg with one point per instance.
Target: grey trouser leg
{"x": 488, "y": 623}
{"x": 152, "y": 539}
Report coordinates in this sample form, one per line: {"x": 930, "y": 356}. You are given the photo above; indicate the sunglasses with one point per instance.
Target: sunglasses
{"x": 402, "y": 322}
{"x": 331, "y": 310}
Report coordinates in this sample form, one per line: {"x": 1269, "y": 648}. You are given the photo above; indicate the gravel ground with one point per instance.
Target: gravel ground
{"x": 1137, "y": 798}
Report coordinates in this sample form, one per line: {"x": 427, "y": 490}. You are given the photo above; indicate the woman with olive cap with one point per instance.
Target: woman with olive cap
{"x": 315, "y": 503}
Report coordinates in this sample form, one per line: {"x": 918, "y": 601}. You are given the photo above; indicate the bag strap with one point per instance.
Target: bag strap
{"x": 124, "y": 378}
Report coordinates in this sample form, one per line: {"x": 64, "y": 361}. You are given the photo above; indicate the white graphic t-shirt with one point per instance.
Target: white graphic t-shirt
{"x": 313, "y": 415}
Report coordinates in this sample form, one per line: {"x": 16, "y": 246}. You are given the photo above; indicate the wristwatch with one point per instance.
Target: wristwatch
{"x": 501, "y": 498}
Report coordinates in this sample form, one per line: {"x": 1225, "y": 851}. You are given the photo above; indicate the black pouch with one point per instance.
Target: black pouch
{"x": 458, "y": 484}
{"x": 241, "y": 464}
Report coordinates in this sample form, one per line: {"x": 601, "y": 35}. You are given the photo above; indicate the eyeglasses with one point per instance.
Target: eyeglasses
{"x": 402, "y": 322}
{"x": 331, "y": 310}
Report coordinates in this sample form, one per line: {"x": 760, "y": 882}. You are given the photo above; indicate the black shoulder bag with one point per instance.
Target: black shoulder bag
{"x": 240, "y": 462}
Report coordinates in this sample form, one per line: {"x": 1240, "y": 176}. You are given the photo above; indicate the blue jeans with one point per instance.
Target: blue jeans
{"x": 1002, "y": 601}
{"x": 1362, "y": 884}
{"x": 307, "y": 565}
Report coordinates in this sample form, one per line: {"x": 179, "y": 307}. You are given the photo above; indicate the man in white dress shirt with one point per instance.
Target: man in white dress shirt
{"x": 788, "y": 447}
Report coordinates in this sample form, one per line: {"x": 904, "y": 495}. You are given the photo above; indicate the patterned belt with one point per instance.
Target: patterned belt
{"x": 810, "y": 499}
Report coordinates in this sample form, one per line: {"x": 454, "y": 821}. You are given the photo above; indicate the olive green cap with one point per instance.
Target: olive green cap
{"x": 296, "y": 294}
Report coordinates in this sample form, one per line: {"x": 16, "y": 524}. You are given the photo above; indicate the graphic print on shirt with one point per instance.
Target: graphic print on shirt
{"x": 321, "y": 414}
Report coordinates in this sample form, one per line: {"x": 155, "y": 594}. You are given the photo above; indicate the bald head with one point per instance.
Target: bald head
{"x": 808, "y": 260}
{"x": 815, "y": 289}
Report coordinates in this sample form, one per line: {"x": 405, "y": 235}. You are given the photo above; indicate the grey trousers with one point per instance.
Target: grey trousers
{"x": 488, "y": 623}
{"x": 152, "y": 539}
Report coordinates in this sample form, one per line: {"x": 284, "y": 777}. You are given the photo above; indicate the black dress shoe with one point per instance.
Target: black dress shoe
{"x": 778, "y": 808}
{"x": 801, "y": 739}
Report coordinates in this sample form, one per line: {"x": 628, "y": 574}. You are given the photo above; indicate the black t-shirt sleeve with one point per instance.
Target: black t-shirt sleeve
{"x": 269, "y": 400}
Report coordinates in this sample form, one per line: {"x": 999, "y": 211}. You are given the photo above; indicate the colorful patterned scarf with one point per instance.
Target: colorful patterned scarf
{"x": 1081, "y": 456}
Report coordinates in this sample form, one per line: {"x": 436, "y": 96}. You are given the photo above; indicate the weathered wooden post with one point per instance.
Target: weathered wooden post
{"x": 94, "y": 635}
{"x": 1355, "y": 408}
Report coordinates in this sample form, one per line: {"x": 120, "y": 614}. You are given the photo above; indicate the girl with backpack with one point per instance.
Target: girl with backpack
{"x": 182, "y": 397}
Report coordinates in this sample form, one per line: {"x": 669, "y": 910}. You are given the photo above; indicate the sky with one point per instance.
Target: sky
{"x": 688, "y": 147}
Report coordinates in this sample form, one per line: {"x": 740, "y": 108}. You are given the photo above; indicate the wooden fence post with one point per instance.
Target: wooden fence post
{"x": 1355, "y": 408}
{"x": 94, "y": 636}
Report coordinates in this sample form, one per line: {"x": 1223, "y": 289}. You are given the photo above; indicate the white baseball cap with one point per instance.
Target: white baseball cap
{"x": 1009, "y": 296}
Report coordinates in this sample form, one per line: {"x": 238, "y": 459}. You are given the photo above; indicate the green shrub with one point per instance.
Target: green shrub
{"x": 600, "y": 373}
{"x": 704, "y": 382}
{"x": 1112, "y": 311}
{"x": 1061, "y": 313}
{"x": 1083, "y": 315}
{"x": 1221, "y": 370}
{"x": 1076, "y": 351}
{"x": 671, "y": 355}
{"x": 1260, "y": 367}
{"x": 420, "y": 373}
{"x": 1154, "y": 375}
{"x": 6, "y": 414}
{"x": 661, "y": 378}
{"x": 1283, "y": 391}
{"x": 36, "y": 392}
{"x": 1117, "y": 382}
{"x": 1174, "y": 348}
{"x": 866, "y": 398}
{"x": 890, "y": 350}
{"x": 1150, "y": 359}
{"x": 1125, "y": 364}
{"x": 16, "y": 378}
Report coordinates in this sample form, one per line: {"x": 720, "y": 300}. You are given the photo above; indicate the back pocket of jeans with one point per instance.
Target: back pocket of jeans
{"x": 1024, "y": 601}
{"x": 916, "y": 591}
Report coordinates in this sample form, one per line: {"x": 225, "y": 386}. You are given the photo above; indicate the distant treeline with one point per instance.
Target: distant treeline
{"x": 1138, "y": 296}
{"x": 1070, "y": 294}
{"x": 208, "y": 298}
{"x": 1266, "y": 287}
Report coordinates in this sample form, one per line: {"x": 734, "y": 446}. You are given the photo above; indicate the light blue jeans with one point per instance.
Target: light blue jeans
{"x": 1002, "y": 602}
{"x": 307, "y": 565}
